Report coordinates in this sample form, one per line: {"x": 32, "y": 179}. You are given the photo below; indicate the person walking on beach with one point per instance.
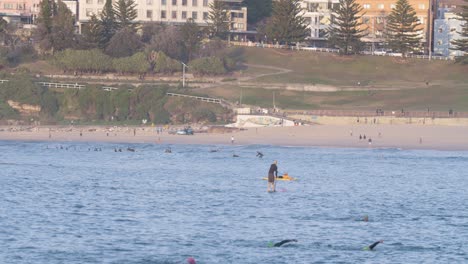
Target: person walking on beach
{"x": 232, "y": 139}
{"x": 272, "y": 175}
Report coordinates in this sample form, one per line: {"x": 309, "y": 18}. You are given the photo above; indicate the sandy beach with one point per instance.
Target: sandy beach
{"x": 407, "y": 136}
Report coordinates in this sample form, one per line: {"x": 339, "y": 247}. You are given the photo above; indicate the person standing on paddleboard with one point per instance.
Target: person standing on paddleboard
{"x": 272, "y": 175}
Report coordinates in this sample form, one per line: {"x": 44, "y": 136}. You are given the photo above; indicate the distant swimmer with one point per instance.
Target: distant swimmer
{"x": 131, "y": 149}
{"x": 259, "y": 154}
{"x": 235, "y": 156}
{"x": 168, "y": 150}
{"x": 371, "y": 247}
{"x": 279, "y": 244}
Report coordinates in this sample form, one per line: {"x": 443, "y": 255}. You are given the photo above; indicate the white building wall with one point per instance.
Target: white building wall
{"x": 446, "y": 29}
{"x": 318, "y": 14}
{"x": 168, "y": 11}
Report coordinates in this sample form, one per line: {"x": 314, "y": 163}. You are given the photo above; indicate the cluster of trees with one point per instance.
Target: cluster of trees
{"x": 113, "y": 41}
{"x": 346, "y": 29}
{"x": 282, "y": 21}
{"x": 94, "y": 103}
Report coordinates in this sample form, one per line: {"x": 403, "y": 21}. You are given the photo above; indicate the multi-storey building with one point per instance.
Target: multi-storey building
{"x": 19, "y": 11}
{"x": 172, "y": 11}
{"x": 375, "y": 13}
{"x": 447, "y": 27}
{"x": 317, "y": 14}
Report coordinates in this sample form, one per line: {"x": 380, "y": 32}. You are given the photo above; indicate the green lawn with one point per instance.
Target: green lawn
{"x": 419, "y": 84}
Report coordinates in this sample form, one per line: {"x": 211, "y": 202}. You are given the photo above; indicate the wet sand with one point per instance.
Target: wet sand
{"x": 382, "y": 136}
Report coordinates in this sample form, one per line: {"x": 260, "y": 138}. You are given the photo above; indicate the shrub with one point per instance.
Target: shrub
{"x": 207, "y": 65}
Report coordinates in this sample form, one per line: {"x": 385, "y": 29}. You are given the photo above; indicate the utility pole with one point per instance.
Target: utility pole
{"x": 274, "y": 106}
{"x": 183, "y": 74}
{"x": 430, "y": 28}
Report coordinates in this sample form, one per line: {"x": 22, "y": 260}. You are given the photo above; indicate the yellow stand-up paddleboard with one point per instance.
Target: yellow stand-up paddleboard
{"x": 284, "y": 177}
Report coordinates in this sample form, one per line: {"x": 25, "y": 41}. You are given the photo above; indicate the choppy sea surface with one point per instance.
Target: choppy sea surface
{"x": 66, "y": 203}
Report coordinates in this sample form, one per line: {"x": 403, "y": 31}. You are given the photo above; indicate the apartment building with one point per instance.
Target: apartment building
{"x": 19, "y": 11}
{"x": 375, "y": 13}
{"x": 318, "y": 15}
{"x": 172, "y": 11}
{"x": 447, "y": 27}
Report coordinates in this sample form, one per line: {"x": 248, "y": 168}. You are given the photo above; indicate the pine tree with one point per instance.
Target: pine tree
{"x": 462, "y": 43}
{"x": 218, "y": 19}
{"x": 44, "y": 24}
{"x": 345, "y": 31}
{"x": 125, "y": 13}
{"x": 92, "y": 32}
{"x": 190, "y": 34}
{"x": 63, "y": 28}
{"x": 108, "y": 24}
{"x": 258, "y": 10}
{"x": 402, "y": 28}
{"x": 287, "y": 23}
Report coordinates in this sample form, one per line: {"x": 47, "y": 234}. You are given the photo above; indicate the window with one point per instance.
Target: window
{"x": 163, "y": 14}
{"x": 184, "y": 14}
{"x": 174, "y": 15}
{"x": 149, "y": 14}
{"x": 100, "y": 2}
{"x": 392, "y": 6}
{"x": 90, "y": 2}
{"x": 422, "y": 6}
{"x": 149, "y": 2}
{"x": 366, "y": 6}
{"x": 205, "y": 2}
{"x": 421, "y": 20}
{"x": 194, "y": 15}
{"x": 89, "y": 12}
{"x": 205, "y": 15}
{"x": 174, "y": 2}
{"x": 163, "y": 2}
{"x": 240, "y": 26}
{"x": 8, "y": 6}
{"x": 380, "y": 6}
{"x": 194, "y": 3}
{"x": 184, "y": 2}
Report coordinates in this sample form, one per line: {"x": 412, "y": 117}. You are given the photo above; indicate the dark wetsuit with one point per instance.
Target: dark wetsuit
{"x": 272, "y": 173}
{"x": 371, "y": 247}
{"x": 279, "y": 244}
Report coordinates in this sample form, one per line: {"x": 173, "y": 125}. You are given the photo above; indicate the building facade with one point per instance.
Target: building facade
{"x": 19, "y": 11}
{"x": 318, "y": 15}
{"x": 446, "y": 29}
{"x": 374, "y": 18}
{"x": 172, "y": 11}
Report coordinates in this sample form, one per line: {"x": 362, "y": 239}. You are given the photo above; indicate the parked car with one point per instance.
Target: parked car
{"x": 380, "y": 52}
{"x": 185, "y": 131}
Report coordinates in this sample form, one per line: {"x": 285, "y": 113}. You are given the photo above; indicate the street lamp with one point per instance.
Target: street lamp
{"x": 183, "y": 73}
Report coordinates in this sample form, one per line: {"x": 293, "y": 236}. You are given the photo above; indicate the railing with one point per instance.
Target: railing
{"x": 62, "y": 85}
{"x": 408, "y": 114}
{"x": 200, "y": 98}
{"x": 4, "y": 81}
{"x": 278, "y": 46}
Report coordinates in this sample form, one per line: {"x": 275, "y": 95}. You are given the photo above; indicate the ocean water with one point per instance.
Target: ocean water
{"x": 77, "y": 205}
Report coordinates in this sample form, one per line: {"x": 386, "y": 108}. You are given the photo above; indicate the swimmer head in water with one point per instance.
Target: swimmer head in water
{"x": 191, "y": 260}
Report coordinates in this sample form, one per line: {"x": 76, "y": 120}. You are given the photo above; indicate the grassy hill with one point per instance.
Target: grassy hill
{"x": 364, "y": 82}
